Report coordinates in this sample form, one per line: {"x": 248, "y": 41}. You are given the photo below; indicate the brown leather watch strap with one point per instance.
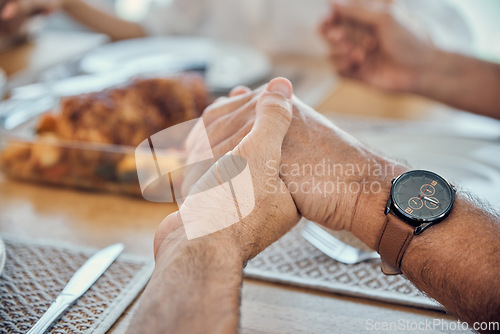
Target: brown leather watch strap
{"x": 394, "y": 240}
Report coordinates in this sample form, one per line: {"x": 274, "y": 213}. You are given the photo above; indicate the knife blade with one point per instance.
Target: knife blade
{"x": 81, "y": 281}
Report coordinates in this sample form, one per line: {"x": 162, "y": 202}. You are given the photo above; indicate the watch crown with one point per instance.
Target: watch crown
{"x": 388, "y": 206}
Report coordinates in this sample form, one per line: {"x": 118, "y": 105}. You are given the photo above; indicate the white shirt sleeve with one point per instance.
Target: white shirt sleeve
{"x": 175, "y": 17}
{"x": 275, "y": 26}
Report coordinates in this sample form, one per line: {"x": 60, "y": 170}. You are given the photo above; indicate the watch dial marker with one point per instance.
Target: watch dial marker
{"x": 422, "y": 195}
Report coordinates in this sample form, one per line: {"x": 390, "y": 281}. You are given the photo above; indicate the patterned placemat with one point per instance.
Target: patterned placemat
{"x": 36, "y": 272}
{"x": 293, "y": 260}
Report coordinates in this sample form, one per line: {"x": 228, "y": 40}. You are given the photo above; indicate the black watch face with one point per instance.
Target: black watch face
{"x": 422, "y": 196}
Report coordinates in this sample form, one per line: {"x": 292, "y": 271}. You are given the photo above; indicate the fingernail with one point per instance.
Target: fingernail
{"x": 280, "y": 86}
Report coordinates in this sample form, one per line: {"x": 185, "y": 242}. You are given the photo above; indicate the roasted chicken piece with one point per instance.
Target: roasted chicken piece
{"x": 124, "y": 115}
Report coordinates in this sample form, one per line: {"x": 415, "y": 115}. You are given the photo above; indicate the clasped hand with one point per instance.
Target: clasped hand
{"x": 300, "y": 163}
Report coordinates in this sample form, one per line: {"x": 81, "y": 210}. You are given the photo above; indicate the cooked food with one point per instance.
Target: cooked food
{"x": 129, "y": 114}
{"x": 65, "y": 150}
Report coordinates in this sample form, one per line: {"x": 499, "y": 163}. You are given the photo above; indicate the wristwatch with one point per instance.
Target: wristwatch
{"x": 418, "y": 200}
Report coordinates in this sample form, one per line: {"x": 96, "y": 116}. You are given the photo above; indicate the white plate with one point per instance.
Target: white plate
{"x": 470, "y": 164}
{"x": 2, "y": 256}
{"x": 71, "y": 86}
{"x": 228, "y": 64}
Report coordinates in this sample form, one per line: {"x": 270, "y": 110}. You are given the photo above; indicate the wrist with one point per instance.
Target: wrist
{"x": 369, "y": 217}
{"x": 171, "y": 242}
{"x": 430, "y": 75}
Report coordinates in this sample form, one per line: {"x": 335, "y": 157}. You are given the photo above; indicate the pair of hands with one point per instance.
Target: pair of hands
{"x": 301, "y": 165}
{"x": 374, "y": 42}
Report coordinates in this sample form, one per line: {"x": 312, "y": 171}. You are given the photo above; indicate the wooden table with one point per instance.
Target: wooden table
{"x": 98, "y": 220}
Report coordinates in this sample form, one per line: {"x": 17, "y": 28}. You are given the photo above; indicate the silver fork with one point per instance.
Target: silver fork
{"x": 333, "y": 247}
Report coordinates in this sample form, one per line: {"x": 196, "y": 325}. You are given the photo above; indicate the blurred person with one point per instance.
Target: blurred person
{"x": 372, "y": 42}
{"x": 196, "y": 284}
{"x": 277, "y": 26}
{"x": 16, "y": 13}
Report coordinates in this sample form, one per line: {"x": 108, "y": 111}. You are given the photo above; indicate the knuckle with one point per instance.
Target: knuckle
{"x": 276, "y": 103}
{"x": 279, "y": 112}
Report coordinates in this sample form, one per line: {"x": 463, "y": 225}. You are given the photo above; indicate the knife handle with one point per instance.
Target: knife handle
{"x": 58, "y": 306}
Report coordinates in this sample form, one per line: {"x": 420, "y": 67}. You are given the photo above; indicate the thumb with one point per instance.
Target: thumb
{"x": 273, "y": 113}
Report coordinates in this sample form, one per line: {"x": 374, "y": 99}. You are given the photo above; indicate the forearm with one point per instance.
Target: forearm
{"x": 195, "y": 288}
{"x": 457, "y": 262}
{"x": 462, "y": 82}
{"x": 101, "y": 21}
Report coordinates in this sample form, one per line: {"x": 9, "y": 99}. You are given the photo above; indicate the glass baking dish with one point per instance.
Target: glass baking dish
{"x": 26, "y": 156}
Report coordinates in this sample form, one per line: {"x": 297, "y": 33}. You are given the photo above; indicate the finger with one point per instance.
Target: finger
{"x": 220, "y": 128}
{"x": 339, "y": 50}
{"x": 192, "y": 175}
{"x": 358, "y": 55}
{"x": 231, "y": 142}
{"x": 223, "y": 107}
{"x": 369, "y": 42}
{"x": 339, "y": 43}
{"x": 239, "y": 91}
{"x": 225, "y": 126}
{"x": 273, "y": 115}
{"x": 342, "y": 63}
{"x": 336, "y": 34}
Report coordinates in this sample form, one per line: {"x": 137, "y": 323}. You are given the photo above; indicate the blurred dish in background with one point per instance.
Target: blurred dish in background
{"x": 227, "y": 64}
{"x": 71, "y": 86}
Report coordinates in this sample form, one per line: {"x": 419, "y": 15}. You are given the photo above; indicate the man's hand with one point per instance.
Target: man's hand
{"x": 373, "y": 43}
{"x": 195, "y": 287}
{"x": 334, "y": 180}
{"x": 447, "y": 255}
{"x": 274, "y": 212}
{"x": 448, "y": 262}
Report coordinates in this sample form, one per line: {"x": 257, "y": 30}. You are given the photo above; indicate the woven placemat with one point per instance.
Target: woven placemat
{"x": 293, "y": 260}
{"x": 36, "y": 272}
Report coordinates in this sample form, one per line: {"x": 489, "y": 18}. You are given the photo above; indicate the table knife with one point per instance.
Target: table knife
{"x": 81, "y": 281}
